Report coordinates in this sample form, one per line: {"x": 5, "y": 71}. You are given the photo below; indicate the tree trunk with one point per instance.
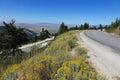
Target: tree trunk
{"x": 13, "y": 52}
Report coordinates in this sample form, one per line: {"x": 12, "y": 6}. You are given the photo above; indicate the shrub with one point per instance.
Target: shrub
{"x": 55, "y": 63}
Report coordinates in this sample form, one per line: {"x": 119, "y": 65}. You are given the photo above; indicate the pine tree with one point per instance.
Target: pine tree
{"x": 63, "y": 28}
{"x": 12, "y": 37}
{"x": 101, "y": 27}
{"x": 44, "y": 34}
{"x": 81, "y": 27}
{"x": 86, "y": 25}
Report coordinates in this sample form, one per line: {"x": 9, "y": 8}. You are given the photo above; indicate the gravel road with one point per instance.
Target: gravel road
{"x": 104, "y": 52}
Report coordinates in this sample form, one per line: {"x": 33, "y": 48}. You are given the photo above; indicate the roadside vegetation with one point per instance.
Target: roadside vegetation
{"x": 11, "y": 38}
{"x": 55, "y": 63}
{"x": 41, "y": 36}
{"x": 114, "y": 27}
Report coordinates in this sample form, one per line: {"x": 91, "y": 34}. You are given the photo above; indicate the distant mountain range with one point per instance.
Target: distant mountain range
{"x": 34, "y": 29}
{"x": 37, "y": 27}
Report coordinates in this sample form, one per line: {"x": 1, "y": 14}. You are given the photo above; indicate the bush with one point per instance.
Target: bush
{"x": 55, "y": 63}
{"x": 80, "y": 50}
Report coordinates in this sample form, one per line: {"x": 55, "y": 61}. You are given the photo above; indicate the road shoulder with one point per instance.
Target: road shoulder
{"x": 102, "y": 58}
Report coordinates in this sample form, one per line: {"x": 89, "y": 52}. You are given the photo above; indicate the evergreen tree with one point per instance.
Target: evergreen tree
{"x": 106, "y": 26}
{"x": 66, "y": 28}
{"x": 11, "y": 37}
{"x": 63, "y": 28}
{"x": 101, "y": 27}
{"x": 94, "y": 27}
{"x": 44, "y": 34}
{"x": 76, "y": 27}
{"x": 81, "y": 27}
{"x": 86, "y": 25}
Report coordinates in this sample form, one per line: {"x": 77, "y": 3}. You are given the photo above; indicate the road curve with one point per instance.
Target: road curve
{"x": 104, "y": 52}
{"x": 105, "y": 39}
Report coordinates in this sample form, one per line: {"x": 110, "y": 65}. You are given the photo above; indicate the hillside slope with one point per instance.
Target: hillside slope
{"x": 114, "y": 28}
{"x": 55, "y": 63}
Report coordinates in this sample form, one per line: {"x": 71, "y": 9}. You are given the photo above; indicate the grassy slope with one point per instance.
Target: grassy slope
{"x": 114, "y": 28}
{"x": 55, "y": 63}
{"x": 114, "y": 31}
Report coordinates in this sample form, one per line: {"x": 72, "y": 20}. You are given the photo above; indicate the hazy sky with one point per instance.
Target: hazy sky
{"x": 57, "y": 11}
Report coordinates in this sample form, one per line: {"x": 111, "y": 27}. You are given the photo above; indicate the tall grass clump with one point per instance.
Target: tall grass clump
{"x": 55, "y": 63}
